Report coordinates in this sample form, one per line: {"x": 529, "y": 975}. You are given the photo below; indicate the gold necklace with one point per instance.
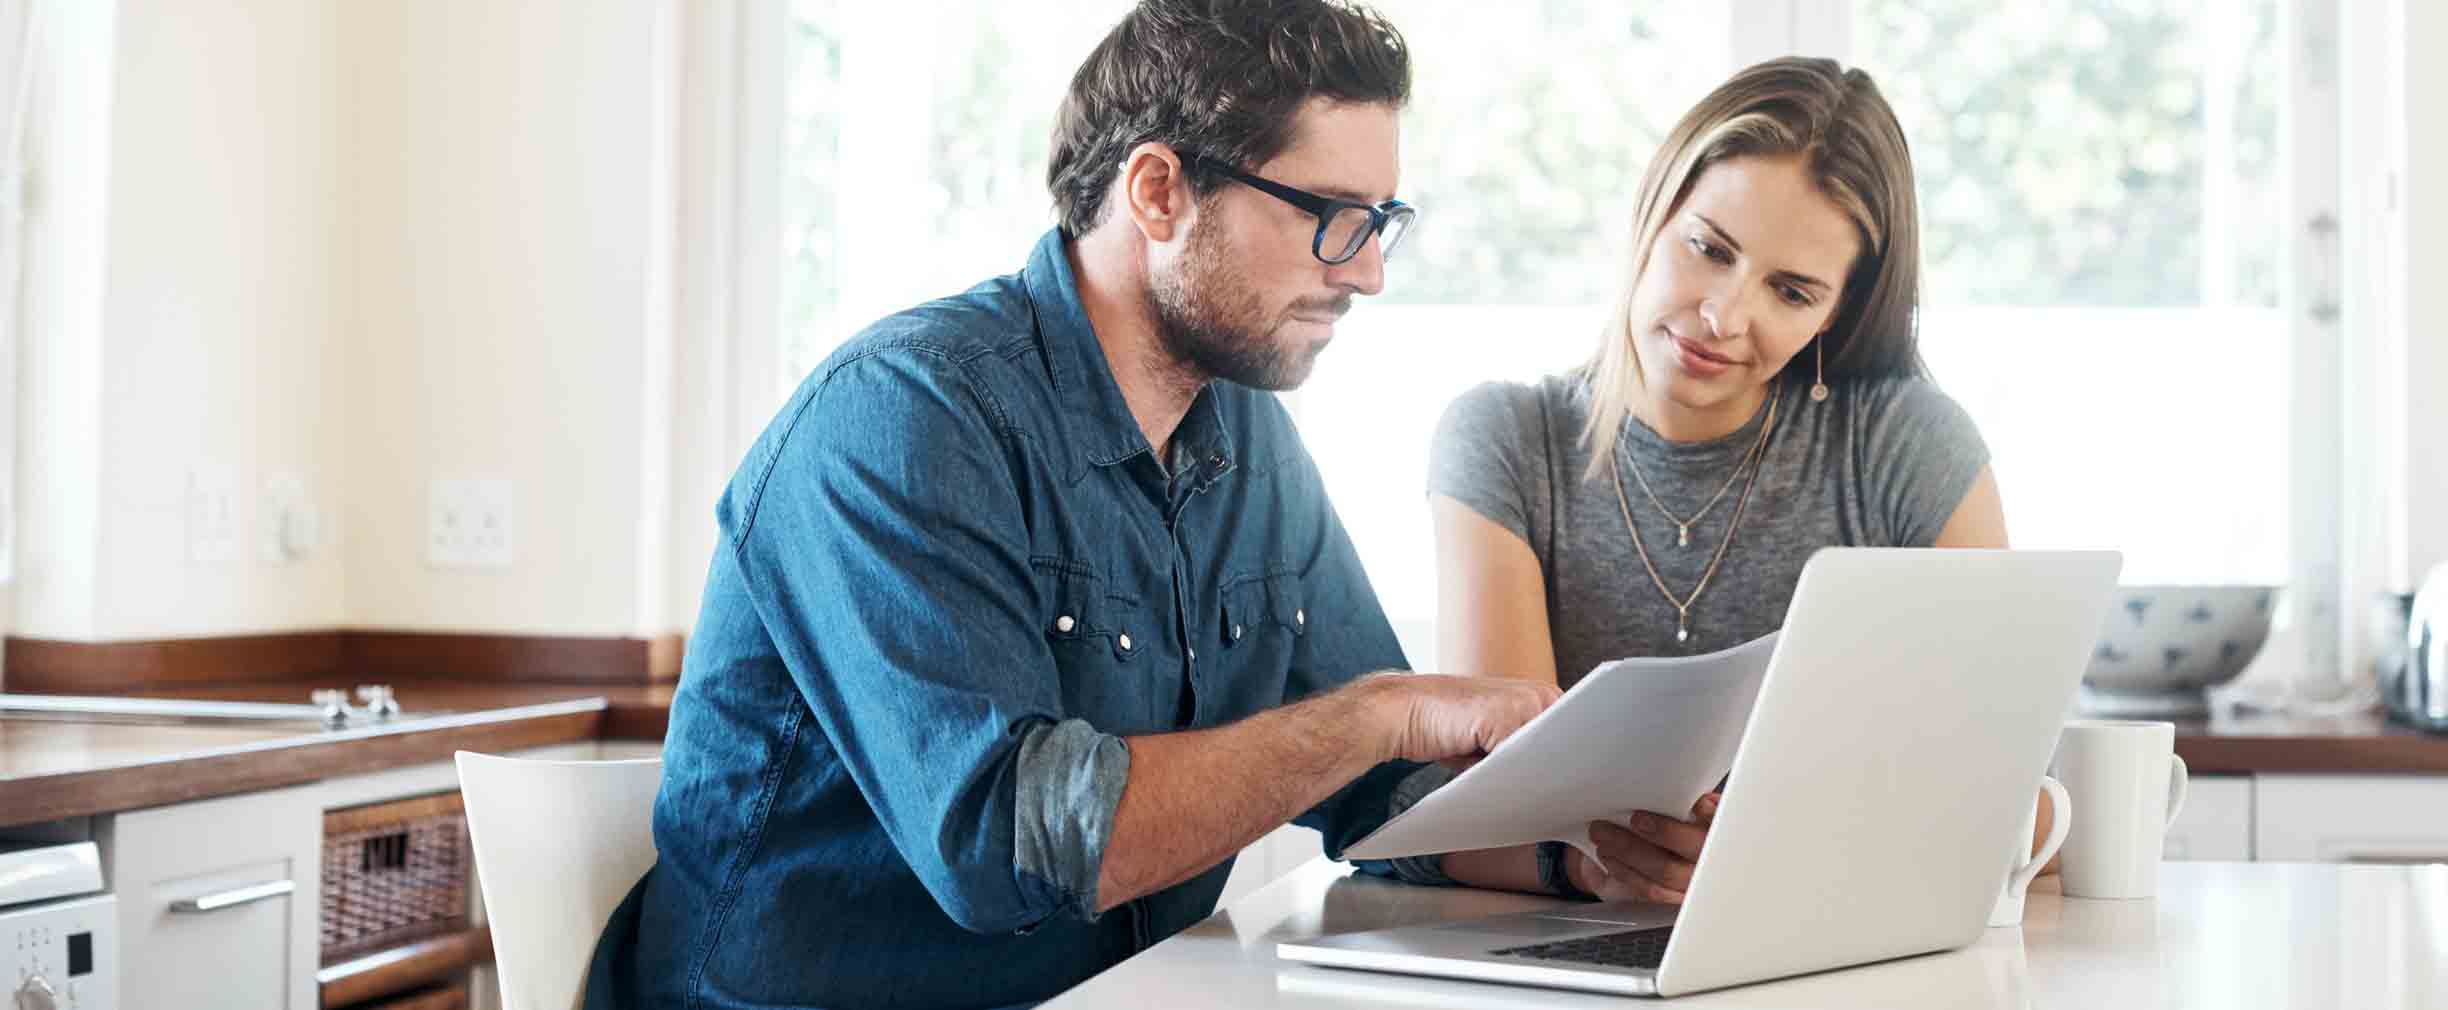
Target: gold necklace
{"x": 1683, "y": 606}
{"x": 1683, "y": 526}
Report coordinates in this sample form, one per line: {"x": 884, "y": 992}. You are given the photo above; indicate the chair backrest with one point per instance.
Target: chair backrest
{"x": 558, "y": 844}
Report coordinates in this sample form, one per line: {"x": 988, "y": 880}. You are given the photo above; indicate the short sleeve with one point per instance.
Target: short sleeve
{"x": 1920, "y": 454}
{"x": 1489, "y": 453}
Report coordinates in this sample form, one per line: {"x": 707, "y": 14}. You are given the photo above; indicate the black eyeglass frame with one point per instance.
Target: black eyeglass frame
{"x": 1324, "y": 208}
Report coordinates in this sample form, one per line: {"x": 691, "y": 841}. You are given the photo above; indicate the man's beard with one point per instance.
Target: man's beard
{"x": 1209, "y": 319}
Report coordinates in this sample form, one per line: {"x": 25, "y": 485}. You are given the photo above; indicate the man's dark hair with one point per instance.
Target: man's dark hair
{"x": 1223, "y": 78}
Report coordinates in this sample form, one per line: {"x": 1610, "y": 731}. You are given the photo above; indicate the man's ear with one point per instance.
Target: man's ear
{"x": 1155, "y": 192}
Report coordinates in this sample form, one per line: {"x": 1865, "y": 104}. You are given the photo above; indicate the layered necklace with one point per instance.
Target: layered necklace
{"x": 1753, "y": 461}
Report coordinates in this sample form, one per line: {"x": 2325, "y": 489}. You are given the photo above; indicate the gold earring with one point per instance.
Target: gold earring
{"x": 1819, "y": 390}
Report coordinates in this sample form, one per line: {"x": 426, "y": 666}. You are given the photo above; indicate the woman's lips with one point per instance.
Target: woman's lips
{"x": 1699, "y": 361}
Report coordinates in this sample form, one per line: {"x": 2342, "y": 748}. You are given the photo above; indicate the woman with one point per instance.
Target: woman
{"x": 1758, "y": 393}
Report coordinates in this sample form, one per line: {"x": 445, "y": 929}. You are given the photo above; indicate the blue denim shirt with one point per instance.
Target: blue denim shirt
{"x": 952, "y": 576}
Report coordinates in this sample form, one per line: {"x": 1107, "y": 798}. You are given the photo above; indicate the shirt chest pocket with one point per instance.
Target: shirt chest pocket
{"x": 1264, "y": 612}
{"x": 1100, "y": 640}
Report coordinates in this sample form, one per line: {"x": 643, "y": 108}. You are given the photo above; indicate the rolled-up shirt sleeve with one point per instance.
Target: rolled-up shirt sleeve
{"x": 887, "y": 555}
{"x": 1409, "y": 790}
{"x": 1070, "y": 785}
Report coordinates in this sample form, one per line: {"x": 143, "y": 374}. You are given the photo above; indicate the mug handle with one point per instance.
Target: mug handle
{"x": 2061, "y": 817}
{"x": 2178, "y": 779}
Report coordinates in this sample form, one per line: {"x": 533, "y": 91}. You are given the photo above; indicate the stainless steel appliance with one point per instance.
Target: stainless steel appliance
{"x": 59, "y": 928}
{"x": 2416, "y": 691}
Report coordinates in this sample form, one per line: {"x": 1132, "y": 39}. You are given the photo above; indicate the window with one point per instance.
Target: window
{"x": 934, "y": 179}
{"x": 2100, "y": 288}
{"x": 2105, "y": 287}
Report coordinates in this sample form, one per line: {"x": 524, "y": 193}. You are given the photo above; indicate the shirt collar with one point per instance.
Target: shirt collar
{"x": 1104, "y": 430}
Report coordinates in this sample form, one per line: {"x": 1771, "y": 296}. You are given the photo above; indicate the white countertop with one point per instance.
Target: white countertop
{"x": 2220, "y": 935}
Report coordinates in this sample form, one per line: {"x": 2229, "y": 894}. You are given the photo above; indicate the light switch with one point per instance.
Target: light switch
{"x": 212, "y": 513}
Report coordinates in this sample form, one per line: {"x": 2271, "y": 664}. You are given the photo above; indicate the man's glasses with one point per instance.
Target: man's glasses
{"x": 1343, "y": 225}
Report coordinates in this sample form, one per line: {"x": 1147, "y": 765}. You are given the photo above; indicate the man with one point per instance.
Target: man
{"x": 1030, "y": 610}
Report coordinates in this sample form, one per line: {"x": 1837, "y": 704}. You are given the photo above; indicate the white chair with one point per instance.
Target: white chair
{"x": 558, "y": 844}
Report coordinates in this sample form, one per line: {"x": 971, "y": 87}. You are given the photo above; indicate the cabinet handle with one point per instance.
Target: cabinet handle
{"x": 2404, "y": 858}
{"x": 232, "y": 898}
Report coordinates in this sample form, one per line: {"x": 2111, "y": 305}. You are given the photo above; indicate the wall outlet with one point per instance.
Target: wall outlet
{"x": 291, "y": 528}
{"x": 468, "y": 523}
{"x": 212, "y": 513}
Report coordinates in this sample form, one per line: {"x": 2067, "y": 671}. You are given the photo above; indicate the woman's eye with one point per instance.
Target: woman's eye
{"x": 1711, "y": 250}
{"x": 1794, "y": 296}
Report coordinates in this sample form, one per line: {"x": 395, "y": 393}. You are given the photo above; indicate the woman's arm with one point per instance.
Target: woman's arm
{"x": 1979, "y": 520}
{"x": 1491, "y": 621}
{"x": 1491, "y": 598}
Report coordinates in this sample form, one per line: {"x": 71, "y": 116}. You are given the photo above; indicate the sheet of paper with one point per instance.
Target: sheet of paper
{"x": 1636, "y": 734}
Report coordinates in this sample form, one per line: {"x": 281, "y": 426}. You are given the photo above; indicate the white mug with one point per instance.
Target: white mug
{"x": 2128, "y": 785}
{"x": 2027, "y": 864}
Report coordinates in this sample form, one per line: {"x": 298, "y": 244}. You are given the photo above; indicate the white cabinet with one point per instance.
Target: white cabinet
{"x": 2351, "y": 818}
{"x": 2216, "y": 822}
{"x": 217, "y": 901}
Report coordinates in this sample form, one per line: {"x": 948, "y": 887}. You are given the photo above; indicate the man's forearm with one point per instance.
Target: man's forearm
{"x": 1196, "y": 797}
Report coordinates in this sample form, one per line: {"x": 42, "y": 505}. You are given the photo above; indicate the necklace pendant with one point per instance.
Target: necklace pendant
{"x": 1682, "y": 634}
{"x": 1682, "y": 536}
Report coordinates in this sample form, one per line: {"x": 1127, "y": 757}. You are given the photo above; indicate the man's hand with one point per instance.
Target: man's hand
{"x": 1653, "y": 861}
{"x": 1197, "y": 796}
{"x": 1458, "y": 720}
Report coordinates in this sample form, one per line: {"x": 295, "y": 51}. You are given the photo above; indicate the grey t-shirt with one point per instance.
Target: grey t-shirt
{"x": 1880, "y": 463}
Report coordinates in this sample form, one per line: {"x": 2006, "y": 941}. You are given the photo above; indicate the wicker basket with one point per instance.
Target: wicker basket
{"x": 393, "y": 873}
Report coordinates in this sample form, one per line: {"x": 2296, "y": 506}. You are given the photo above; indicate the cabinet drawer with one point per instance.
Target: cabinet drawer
{"x": 217, "y": 901}
{"x": 2352, "y": 818}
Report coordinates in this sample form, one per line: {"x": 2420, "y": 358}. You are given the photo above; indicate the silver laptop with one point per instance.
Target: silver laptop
{"x": 1898, "y": 740}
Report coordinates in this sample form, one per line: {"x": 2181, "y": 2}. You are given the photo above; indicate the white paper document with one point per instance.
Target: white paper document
{"x": 1636, "y": 734}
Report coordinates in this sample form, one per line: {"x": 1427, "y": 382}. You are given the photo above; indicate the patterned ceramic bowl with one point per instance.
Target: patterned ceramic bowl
{"x": 2162, "y": 647}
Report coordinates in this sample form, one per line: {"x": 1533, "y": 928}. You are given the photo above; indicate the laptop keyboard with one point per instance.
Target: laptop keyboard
{"x": 1632, "y": 948}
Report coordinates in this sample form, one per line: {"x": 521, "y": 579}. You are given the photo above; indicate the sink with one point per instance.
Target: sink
{"x": 176, "y": 711}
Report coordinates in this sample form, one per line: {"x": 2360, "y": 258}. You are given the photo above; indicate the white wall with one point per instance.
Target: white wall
{"x": 220, "y": 325}
{"x": 58, "y": 457}
{"x": 367, "y": 245}
{"x": 500, "y": 266}
{"x": 2426, "y": 259}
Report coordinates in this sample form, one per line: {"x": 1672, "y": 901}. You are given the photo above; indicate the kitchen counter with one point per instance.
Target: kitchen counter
{"x": 2363, "y": 743}
{"x": 2222, "y": 935}
{"x": 54, "y": 769}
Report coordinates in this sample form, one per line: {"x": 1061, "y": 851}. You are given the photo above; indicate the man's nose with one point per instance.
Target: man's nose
{"x": 1364, "y": 273}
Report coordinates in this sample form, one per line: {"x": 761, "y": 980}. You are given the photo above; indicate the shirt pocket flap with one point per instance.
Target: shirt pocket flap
{"x": 1256, "y": 602}
{"x": 1286, "y": 603}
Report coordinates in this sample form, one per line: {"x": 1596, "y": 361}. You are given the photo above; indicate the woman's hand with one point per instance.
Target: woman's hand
{"x": 1652, "y": 861}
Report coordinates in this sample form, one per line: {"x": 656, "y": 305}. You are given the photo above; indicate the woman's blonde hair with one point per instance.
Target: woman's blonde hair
{"x": 1838, "y": 123}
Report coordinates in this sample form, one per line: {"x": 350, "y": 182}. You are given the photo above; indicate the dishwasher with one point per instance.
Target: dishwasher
{"x": 58, "y": 926}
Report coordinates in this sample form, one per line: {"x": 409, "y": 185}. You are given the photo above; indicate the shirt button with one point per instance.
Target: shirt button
{"x": 1236, "y": 633}
{"x": 1064, "y": 624}
{"x": 1124, "y": 642}
{"x": 1194, "y": 655}
{"x": 1300, "y": 618}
